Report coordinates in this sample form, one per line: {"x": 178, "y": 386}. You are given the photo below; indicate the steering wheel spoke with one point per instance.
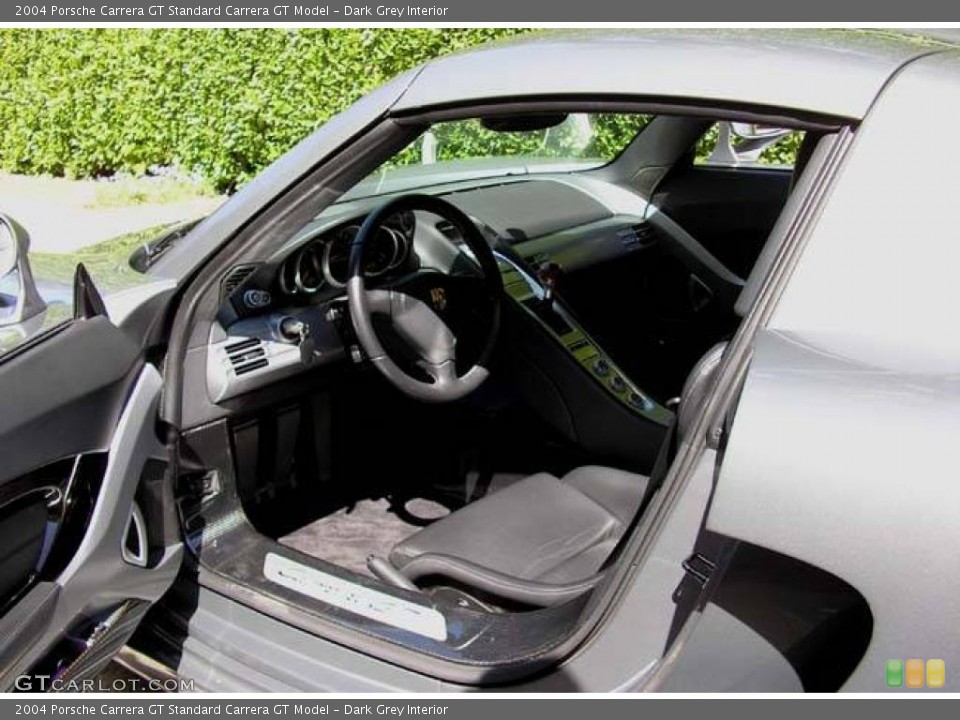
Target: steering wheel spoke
{"x": 380, "y": 301}
{"x": 443, "y": 373}
{"x": 422, "y": 329}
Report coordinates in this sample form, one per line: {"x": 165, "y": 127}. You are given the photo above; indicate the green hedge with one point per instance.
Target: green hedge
{"x": 222, "y": 103}
{"x": 219, "y": 103}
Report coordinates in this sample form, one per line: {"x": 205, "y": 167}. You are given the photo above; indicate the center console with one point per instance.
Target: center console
{"x": 564, "y": 329}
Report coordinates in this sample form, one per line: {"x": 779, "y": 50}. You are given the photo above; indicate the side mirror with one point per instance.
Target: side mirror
{"x": 19, "y": 298}
{"x": 740, "y": 143}
{"x": 753, "y": 131}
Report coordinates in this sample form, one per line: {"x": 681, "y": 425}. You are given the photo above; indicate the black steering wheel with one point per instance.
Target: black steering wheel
{"x": 428, "y": 309}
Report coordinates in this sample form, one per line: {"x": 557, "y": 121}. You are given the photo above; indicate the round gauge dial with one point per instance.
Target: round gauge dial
{"x": 336, "y": 259}
{"x": 387, "y": 250}
{"x": 288, "y": 276}
{"x": 309, "y": 275}
{"x": 385, "y": 253}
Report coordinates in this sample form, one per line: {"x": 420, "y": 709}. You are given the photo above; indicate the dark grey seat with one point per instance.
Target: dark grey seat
{"x": 542, "y": 540}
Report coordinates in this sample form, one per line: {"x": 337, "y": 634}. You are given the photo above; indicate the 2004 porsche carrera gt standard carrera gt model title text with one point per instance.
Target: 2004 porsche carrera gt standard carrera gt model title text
{"x": 632, "y": 370}
{"x": 235, "y": 11}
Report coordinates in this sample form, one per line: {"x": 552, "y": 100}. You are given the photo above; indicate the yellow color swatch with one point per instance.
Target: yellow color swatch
{"x": 936, "y": 673}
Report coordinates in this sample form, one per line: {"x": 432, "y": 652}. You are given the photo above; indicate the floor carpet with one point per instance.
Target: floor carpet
{"x": 349, "y": 535}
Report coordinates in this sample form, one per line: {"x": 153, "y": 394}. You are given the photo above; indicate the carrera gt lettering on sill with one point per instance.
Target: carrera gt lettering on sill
{"x": 363, "y": 601}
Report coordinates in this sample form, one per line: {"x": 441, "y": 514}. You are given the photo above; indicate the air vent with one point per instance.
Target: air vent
{"x": 250, "y": 367}
{"x": 246, "y": 356}
{"x": 637, "y": 236}
{"x": 235, "y": 278}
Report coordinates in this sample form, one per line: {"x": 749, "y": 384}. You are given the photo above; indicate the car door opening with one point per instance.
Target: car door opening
{"x": 452, "y": 394}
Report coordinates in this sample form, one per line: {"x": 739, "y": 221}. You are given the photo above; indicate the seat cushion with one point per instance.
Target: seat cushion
{"x": 540, "y": 528}
{"x": 616, "y": 491}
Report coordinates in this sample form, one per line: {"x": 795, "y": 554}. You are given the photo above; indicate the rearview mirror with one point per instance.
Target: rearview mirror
{"x": 523, "y": 123}
{"x": 19, "y": 298}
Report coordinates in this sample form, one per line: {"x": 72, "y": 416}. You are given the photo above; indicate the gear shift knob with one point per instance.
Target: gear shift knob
{"x": 548, "y": 273}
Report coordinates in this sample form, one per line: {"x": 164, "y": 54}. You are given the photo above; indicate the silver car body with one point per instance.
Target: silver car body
{"x": 841, "y": 453}
{"x": 841, "y": 450}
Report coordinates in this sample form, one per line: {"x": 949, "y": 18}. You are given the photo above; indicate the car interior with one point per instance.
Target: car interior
{"x": 451, "y": 395}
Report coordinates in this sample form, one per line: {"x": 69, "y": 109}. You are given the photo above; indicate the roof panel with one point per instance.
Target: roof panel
{"x": 830, "y": 72}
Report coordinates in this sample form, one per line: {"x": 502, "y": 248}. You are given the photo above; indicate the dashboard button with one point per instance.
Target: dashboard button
{"x": 617, "y": 384}
{"x": 601, "y": 367}
{"x": 637, "y": 400}
{"x": 255, "y": 299}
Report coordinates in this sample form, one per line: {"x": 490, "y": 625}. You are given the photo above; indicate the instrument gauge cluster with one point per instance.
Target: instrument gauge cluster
{"x": 324, "y": 260}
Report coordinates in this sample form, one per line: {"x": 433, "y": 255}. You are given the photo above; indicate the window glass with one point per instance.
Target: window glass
{"x": 107, "y": 262}
{"x": 469, "y": 148}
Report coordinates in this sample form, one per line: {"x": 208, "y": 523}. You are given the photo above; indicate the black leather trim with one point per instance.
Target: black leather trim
{"x": 530, "y": 592}
{"x": 552, "y": 537}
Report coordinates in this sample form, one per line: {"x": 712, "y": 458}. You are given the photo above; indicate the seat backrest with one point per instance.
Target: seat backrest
{"x": 699, "y": 384}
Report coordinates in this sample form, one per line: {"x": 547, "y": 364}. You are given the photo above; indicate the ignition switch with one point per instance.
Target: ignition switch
{"x": 293, "y": 329}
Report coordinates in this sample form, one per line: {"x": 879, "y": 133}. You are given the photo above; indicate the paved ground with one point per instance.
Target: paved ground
{"x": 54, "y": 212}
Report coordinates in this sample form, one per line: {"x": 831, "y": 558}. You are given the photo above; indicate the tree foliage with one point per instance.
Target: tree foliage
{"x": 220, "y": 103}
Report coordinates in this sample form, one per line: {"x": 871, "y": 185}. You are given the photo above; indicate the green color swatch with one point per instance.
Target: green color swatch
{"x": 894, "y": 673}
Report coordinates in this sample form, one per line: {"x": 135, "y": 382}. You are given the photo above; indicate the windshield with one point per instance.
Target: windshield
{"x": 464, "y": 149}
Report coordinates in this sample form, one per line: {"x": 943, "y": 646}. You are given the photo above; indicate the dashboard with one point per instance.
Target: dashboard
{"x": 576, "y": 222}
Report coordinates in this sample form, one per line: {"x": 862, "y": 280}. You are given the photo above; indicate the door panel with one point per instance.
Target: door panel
{"x": 77, "y": 432}
{"x": 69, "y": 388}
{"x": 22, "y": 527}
